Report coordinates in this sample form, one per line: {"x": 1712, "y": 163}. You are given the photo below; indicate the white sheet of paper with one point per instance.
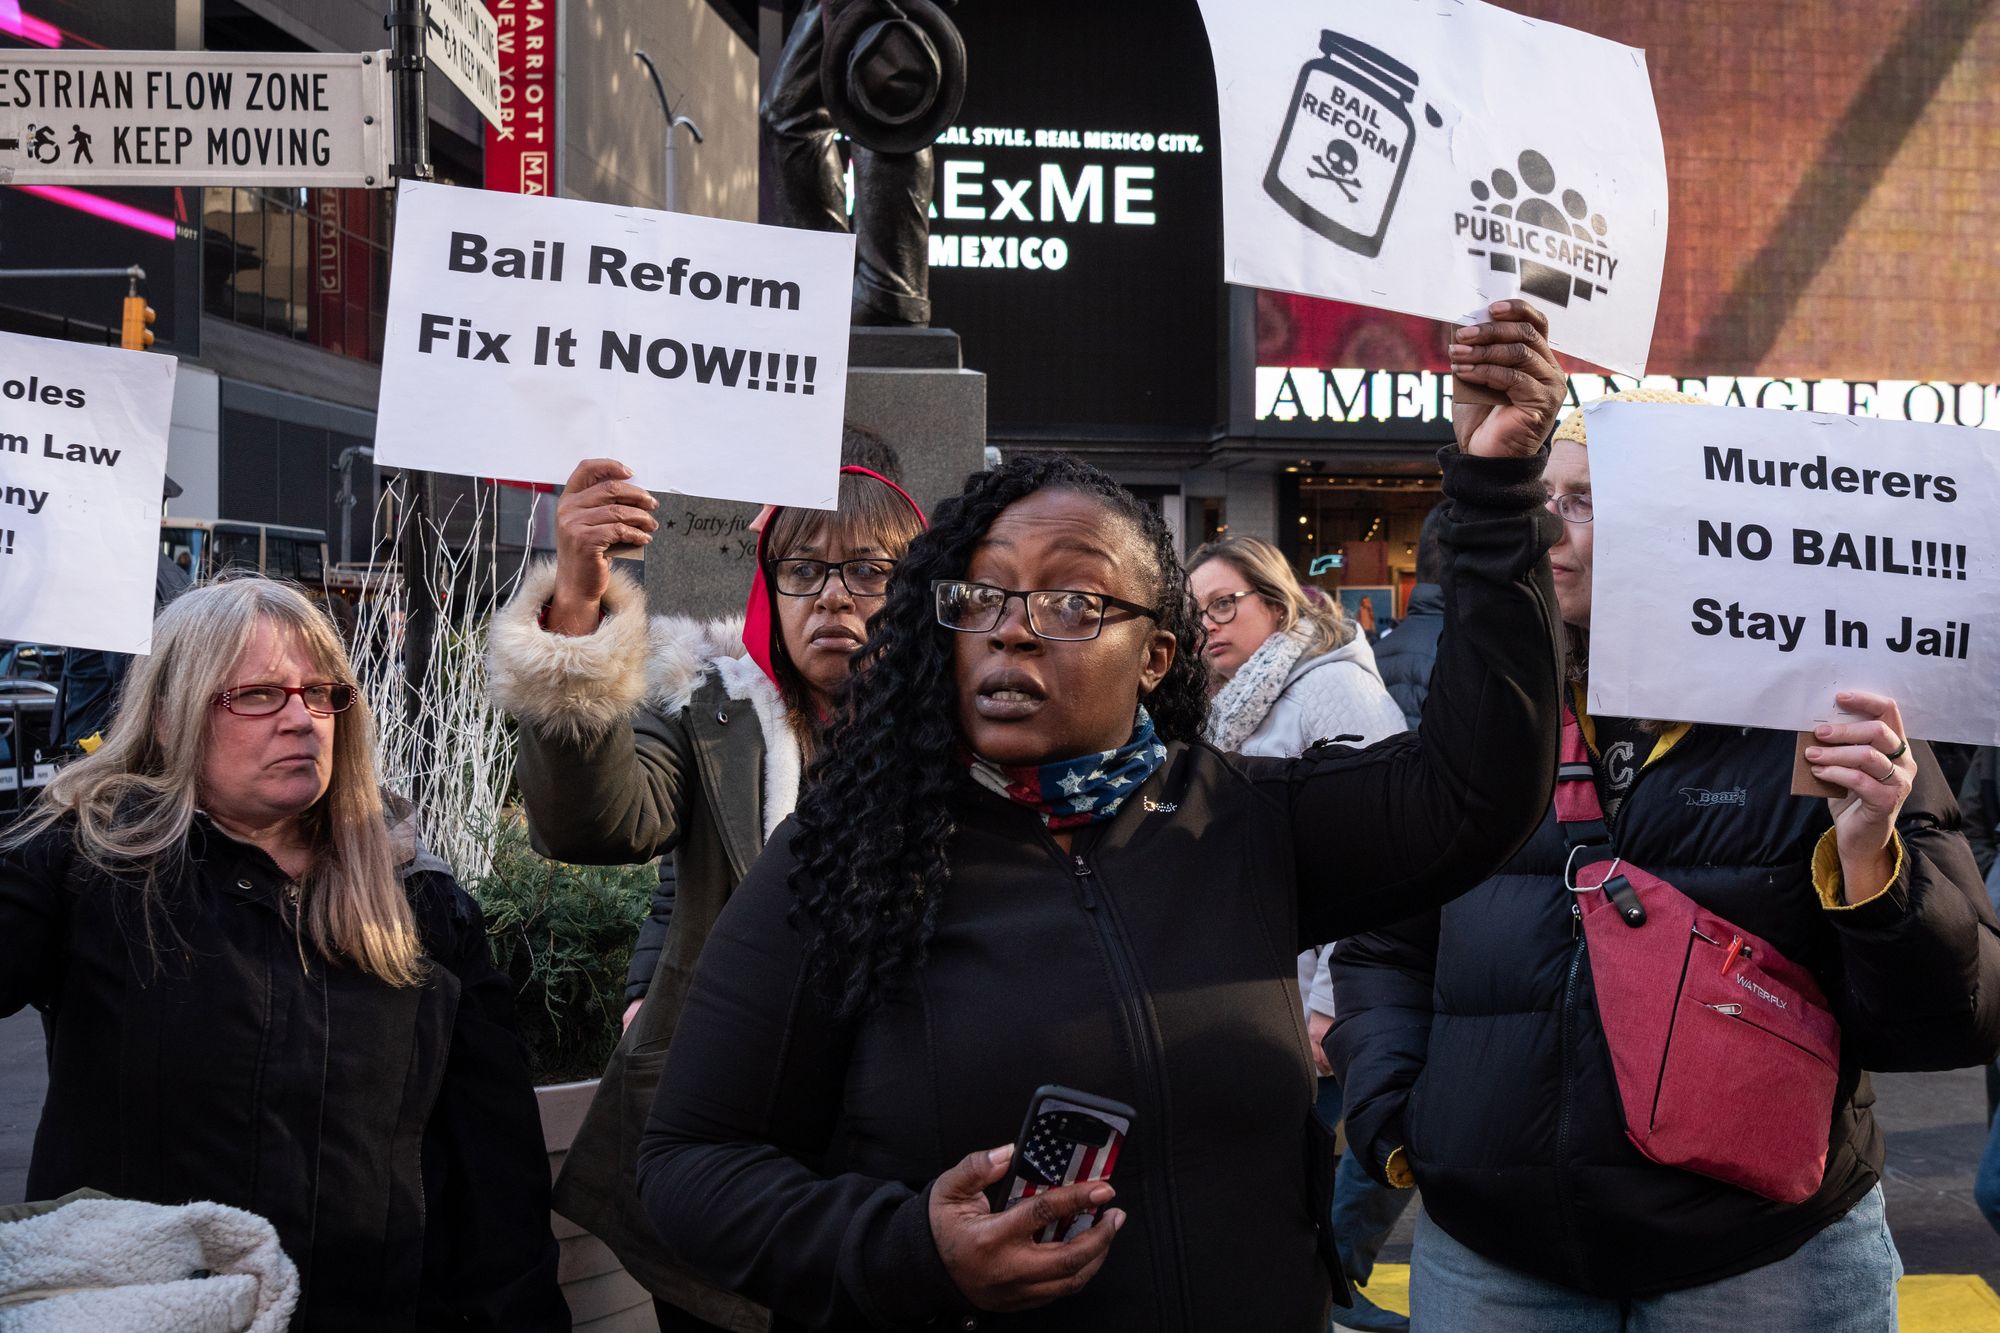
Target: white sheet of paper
{"x": 718, "y": 368}
{"x": 1852, "y": 554}
{"x": 80, "y": 481}
{"x": 1433, "y": 158}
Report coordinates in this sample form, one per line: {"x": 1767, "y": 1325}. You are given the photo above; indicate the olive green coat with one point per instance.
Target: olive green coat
{"x": 643, "y": 739}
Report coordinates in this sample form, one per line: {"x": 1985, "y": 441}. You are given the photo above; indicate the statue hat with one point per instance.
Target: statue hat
{"x": 893, "y": 72}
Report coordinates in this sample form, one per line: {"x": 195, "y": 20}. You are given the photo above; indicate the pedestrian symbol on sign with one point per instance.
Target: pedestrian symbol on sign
{"x": 79, "y": 144}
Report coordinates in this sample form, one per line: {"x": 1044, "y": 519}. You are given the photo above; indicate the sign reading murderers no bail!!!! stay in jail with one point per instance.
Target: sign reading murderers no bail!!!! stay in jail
{"x": 526, "y": 333}
{"x": 83, "y": 454}
{"x": 1750, "y": 564}
{"x": 194, "y": 118}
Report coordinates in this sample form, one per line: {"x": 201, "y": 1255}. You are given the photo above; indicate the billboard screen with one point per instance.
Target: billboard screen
{"x": 1077, "y": 237}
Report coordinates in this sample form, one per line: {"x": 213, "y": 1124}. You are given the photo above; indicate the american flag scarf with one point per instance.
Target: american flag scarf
{"x": 1071, "y": 793}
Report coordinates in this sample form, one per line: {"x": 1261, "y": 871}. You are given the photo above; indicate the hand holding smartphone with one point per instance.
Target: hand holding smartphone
{"x": 1067, "y": 1138}
{"x": 1004, "y": 1257}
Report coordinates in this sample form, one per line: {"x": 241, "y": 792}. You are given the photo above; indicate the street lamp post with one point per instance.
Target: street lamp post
{"x": 671, "y": 162}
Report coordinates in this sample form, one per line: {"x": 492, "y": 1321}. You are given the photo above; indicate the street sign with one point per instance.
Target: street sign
{"x": 463, "y": 42}
{"x": 193, "y": 118}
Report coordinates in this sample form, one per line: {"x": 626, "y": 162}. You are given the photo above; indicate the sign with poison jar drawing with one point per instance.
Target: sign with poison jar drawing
{"x": 1432, "y": 159}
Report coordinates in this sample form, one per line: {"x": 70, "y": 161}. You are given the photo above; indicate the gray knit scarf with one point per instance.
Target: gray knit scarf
{"x": 1238, "y": 709}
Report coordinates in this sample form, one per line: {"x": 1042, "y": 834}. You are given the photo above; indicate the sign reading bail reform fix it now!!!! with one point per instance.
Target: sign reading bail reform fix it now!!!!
{"x": 83, "y": 456}
{"x": 1750, "y": 564}
{"x": 526, "y": 333}
{"x": 194, "y": 118}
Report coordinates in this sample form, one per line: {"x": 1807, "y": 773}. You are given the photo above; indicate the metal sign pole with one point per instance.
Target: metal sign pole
{"x": 405, "y": 22}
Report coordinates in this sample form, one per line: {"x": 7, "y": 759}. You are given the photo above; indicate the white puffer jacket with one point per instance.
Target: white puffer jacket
{"x": 1339, "y": 693}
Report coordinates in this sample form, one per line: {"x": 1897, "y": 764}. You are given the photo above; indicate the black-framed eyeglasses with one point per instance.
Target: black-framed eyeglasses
{"x": 1221, "y": 610}
{"x": 1066, "y": 615}
{"x": 1571, "y": 506}
{"x": 323, "y": 699}
{"x": 866, "y": 577}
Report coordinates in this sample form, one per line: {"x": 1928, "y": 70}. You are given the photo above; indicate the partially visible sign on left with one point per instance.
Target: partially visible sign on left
{"x": 194, "y": 118}
{"x": 83, "y": 456}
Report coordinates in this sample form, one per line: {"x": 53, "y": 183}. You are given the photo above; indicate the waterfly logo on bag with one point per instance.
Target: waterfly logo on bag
{"x": 1702, "y": 797}
{"x": 1345, "y": 149}
{"x": 1526, "y": 224}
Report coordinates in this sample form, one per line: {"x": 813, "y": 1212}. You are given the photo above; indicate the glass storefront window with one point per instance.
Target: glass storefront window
{"x": 312, "y": 265}
{"x": 1353, "y": 530}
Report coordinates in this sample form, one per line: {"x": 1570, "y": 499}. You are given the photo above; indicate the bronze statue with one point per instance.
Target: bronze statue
{"x": 890, "y": 76}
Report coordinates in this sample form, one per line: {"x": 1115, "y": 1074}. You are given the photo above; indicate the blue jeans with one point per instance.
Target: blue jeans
{"x": 1364, "y": 1213}
{"x": 1841, "y": 1281}
{"x": 1986, "y": 1184}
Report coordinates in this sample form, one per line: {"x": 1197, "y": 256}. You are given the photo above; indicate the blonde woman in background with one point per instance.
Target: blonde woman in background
{"x": 1294, "y": 671}
{"x": 258, "y": 992}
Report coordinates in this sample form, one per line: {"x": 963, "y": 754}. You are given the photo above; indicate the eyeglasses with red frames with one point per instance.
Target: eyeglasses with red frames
{"x": 323, "y": 699}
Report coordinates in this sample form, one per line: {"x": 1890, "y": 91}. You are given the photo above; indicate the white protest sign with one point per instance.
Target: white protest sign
{"x": 193, "y": 118}
{"x": 1749, "y": 564}
{"x": 463, "y": 42}
{"x": 526, "y": 333}
{"x": 83, "y": 456}
{"x": 1433, "y": 158}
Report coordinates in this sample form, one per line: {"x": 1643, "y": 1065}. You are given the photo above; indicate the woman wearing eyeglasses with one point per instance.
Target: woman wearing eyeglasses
{"x": 1483, "y": 1061}
{"x": 1288, "y": 672}
{"x": 1015, "y": 864}
{"x": 647, "y": 736}
{"x": 259, "y": 991}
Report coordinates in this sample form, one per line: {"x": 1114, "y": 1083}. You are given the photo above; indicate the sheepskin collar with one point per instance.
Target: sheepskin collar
{"x": 575, "y": 686}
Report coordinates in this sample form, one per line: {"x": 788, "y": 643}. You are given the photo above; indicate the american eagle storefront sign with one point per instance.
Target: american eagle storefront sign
{"x": 1432, "y": 158}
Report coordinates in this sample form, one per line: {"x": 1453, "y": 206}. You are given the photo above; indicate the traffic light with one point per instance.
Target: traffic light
{"x": 135, "y": 333}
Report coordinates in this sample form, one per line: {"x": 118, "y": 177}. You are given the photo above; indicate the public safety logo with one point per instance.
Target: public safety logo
{"x": 1526, "y": 223}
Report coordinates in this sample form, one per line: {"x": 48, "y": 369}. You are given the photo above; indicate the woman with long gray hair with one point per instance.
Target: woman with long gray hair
{"x": 259, "y": 990}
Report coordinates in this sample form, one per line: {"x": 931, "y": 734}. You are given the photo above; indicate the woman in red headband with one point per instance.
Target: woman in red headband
{"x": 641, "y": 736}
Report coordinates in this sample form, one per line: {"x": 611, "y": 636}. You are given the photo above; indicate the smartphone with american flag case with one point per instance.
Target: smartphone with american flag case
{"x": 1068, "y": 1138}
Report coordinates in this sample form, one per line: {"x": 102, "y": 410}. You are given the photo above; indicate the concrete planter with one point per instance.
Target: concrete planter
{"x": 603, "y": 1298}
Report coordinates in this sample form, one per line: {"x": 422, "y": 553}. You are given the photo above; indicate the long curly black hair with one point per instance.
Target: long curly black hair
{"x": 874, "y": 819}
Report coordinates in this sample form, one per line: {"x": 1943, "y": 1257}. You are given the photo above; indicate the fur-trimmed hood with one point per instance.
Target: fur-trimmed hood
{"x": 573, "y": 686}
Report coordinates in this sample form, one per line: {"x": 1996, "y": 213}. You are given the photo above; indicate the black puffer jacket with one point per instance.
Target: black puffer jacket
{"x": 1469, "y": 1038}
{"x": 1405, "y": 657}
{"x": 390, "y": 1135}
{"x": 788, "y": 1153}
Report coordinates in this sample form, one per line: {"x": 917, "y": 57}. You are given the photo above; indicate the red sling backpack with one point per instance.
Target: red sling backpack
{"x": 1726, "y": 1053}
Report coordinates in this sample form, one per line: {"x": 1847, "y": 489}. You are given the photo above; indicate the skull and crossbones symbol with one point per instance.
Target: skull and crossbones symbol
{"x": 1337, "y": 164}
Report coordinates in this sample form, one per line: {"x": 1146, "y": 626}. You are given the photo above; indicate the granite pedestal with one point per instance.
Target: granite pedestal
{"x": 906, "y": 385}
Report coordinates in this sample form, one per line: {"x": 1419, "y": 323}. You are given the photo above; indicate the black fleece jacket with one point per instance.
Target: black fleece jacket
{"x": 788, "y": 1153}
{"x": 388, "y": 1134}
